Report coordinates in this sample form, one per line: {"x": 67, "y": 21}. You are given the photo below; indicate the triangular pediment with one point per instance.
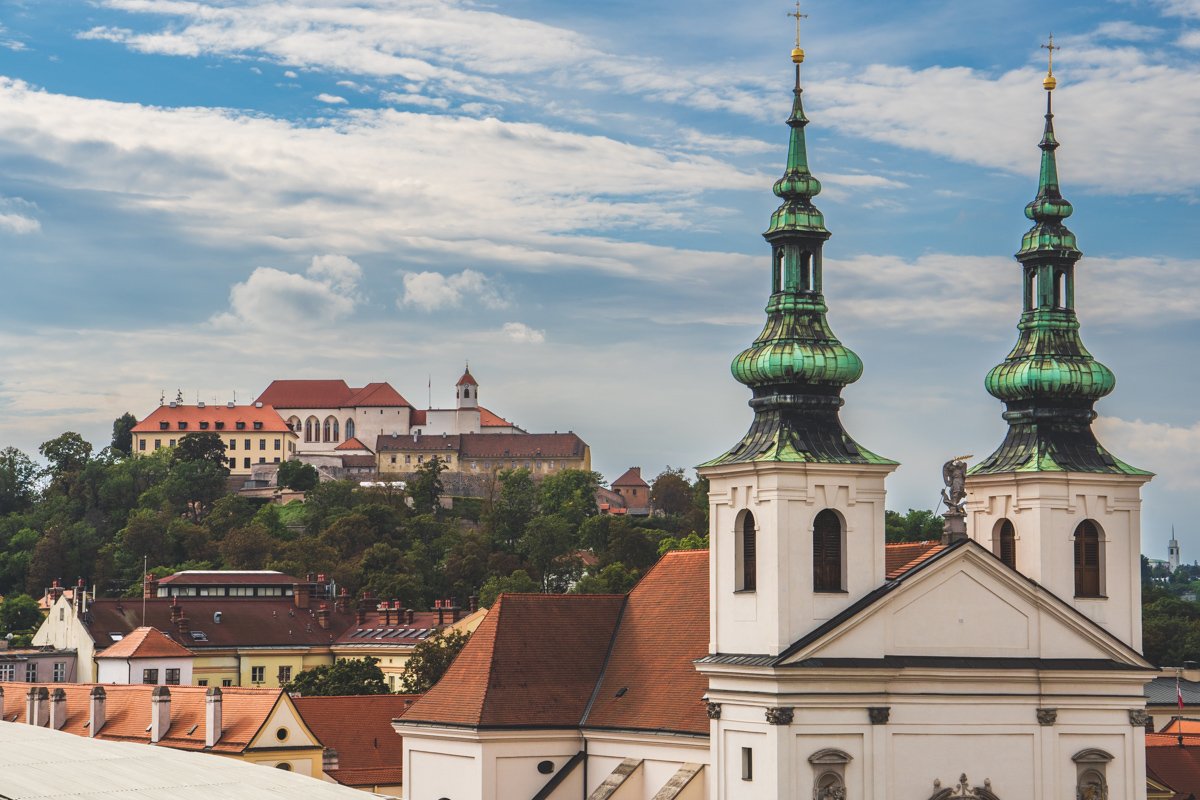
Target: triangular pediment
{"x": 966, "y": 604}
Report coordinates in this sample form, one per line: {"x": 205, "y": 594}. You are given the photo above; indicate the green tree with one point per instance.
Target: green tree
{"x": 18, "y": 481}
{"x": 201, "y": 446}
{"x": 514, "y": 507}
{"x": 297, "y": 475}
{"x": 570, "y": 494}
{"x": 671, "y": 493}
{"x": 18, "y": 614}
{"x": 917, "y": 525}
{"x": 430, "y": 659}
{"x": 247, "y": 548}
{"x": 343, "y": 677}
{"x": 227, "y": 513}
{"x": 67, "y": 454}
{"x": 326, "y": 502}
{"x": 613, "y": 579}
{"x": 425, "y": 486}
{"x": 693, "y": 541}
{"x": 122, "y": 433}
{"x": 193, "y": 485}
{"x": 547, "y": 544}
{"x": 518, "y": 582}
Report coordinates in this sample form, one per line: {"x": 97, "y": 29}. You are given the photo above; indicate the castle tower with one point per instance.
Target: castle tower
{"x": 1052, "y": 502}
{"x": 796, "y": 524}
{"x": 466, "y": 395}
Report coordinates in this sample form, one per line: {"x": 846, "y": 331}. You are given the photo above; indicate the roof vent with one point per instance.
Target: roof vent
{"x": 200, "y": 404}
{"x": 229, "y": 404}
{"x": 258, "y": 405}
{"x": 217, "y": 617}
{"x": 174, "y": 404}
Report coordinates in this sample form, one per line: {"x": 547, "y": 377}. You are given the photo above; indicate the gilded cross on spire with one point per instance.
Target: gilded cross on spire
{"x": 797, "y": 52}
{"x": 1050, "y": 81}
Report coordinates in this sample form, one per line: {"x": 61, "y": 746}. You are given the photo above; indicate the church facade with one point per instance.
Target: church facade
{"x": 802, "y": 655}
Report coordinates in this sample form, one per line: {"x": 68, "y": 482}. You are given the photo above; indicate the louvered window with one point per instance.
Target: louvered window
{"x": 827, "y": 552}
{"x": 1008, "y": 544}
{"x": 749, "y": 577}
{"x": 1087, "y": 560}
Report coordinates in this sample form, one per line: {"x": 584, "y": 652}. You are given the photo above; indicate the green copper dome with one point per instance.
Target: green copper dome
{"x": 797, "y": 346}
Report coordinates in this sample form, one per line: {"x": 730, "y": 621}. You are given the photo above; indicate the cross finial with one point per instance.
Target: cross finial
{"x": 798, "y": 17}
{"x": 1050, "y": 81}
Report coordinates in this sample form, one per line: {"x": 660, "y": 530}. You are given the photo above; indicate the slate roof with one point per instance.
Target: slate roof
{"x": 264, "y": 577}
{"x": 146, "y": 643}
{"x": 649, "y": 680}
{"x": 328, "y": 394}
{"x": 369, "y": 751}
{"x": 533, "y": 662}
{"x": 1161, "y": 692}
{"x": 127, "y": 713}
{"x": 192, "y": 416}
{"x": 245, "y": 622}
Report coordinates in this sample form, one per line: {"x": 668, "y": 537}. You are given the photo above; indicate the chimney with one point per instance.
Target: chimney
{"x": 329, "y": 760}
{"x": 160, "y": 713}
{"x": 387, "y": 614}
{"x": 58, "y": 709}
{"x": 98, "y": 703}
{"x": 37, "y": 706}
{"x": 55, "y": 591}
{"x": 323, "y": 616}
{"x": 360, "y": 613}
{"x": 342, "y": 604}
{"x": 410, "y": 615}
{"x": 301, "y": 592}
{"x": 473, "y": 603}
{"x": 184, "y": 624}
{"x": 455, "y": 611}
{"x": 80, "y": 593}
{"x": 150, "y": 587}
{"x": 176, "y": 610}
{"x": 212, "y": 716}
{"x": 441, "y": 614}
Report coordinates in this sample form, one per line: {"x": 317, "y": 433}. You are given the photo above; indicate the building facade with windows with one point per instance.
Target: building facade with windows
{"x": 252, "y": 435}
{"x": 482, "y": 454}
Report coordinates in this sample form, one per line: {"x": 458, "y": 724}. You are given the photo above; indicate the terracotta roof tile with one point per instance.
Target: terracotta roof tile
{"x": 1177, "y": 767}
{"x": 533, "y": 662}
{"x": 352, "y": 444}
{"x": 417, "y": 417}
{"x": 376, "y": 394}
{"x": 193, "y": 416}
{"x": 369, "y": 751}
{"x": 488, "y": 419}
{"x": 328, "y": 394}
{"x": 467, "y": 379}
{"x": 650, "y": 682}
{"x": 899, "y": 557}
{"x": 146, "y": 643}
{"x": 631, "y": 477}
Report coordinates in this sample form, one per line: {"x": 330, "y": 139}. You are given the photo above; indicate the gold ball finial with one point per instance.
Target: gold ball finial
{"x": 797, "y": 55}
{"x": 1049, "y": 83}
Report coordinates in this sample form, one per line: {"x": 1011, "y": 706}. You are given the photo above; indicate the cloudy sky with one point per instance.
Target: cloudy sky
{"x": 206, "y": 196}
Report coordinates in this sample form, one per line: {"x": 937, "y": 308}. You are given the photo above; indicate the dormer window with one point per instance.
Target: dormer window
{"x": 258, "y": 426}
{"x": 203, "y": 426}
{"x": 183, "y": 426}
{"x": 220, "y": 426}
{"x": 164, "y": 426}
{"x": 241, "y": 426}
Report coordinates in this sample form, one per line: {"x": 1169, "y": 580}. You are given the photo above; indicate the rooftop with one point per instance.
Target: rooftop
{"x": 228, "y": 577}
{"x": 369, "y": 751}
{"x": 198, "y": 419}
{"x": 329, "y": 394}
{"x": 146, "y": 642}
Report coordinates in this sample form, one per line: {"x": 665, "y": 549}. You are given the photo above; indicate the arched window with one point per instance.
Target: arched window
{"x": 747, "y": 554}
{"x": 294, "y": 424}
{"x": 349, "y": 428}
{"x": 466, "y": 391}
{"x": 312, "y": 430}
{"x": 1060, "y": 289}
{"x": 827, "y": 552}
{"x": 1030, "y": 290}
{"x": 1005, "y": 542}
{"x": 1088, "y": 559}
{"x": 806, "y": 272}
{"x": 330, "y": 434}
{"x": 777, "y": 273}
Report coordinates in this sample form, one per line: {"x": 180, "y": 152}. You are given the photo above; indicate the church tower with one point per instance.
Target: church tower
{"x": 796, "y": 507}
{"x": 1052, "y": 502}
{"x": 466, "y": 399}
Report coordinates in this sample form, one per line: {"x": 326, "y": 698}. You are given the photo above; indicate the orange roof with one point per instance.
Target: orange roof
{"x": 533, "y": 662}
{"x": 467, "y": 379}
{"x": 489, "y": 420}
{"x": 650, "y": 682}
{"x": 1186, "y": 726}
{"x": 127, "y": 713}
{"x": 900, "y": 557}
{"x": 352, "y": 444}
{"x": 328, "y": 394}
{"x": 146, "y": 642}
{"x": 369, "y": 751}
{"x": 189, "y": 419}
{"x": 632, "y": 477}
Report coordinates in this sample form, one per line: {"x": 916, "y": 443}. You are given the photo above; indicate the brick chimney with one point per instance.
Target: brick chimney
{"x": 55, "y": 591}
{"x": 323, "y": 615}
{"x": 473, "y": 603}
{"x": 37, "y": 706}
{"x": 410, "y": 615}
{"x": 439, "y": 607}
{"x": 98, "y": 702}
{"x": 150, "y": 586}
{"x": 212, "y": 716}
{"x": 329, "y": 760}
{"x": 176, "y": 610}
{"x": 301, "y": 593}
{"x": 160, "y": 713}
{"x": 342, "y": 604}
{"x": 360, "y": 613}
{"x": 455, "y": 611}
{"x": 58, "y": 709}
{"x": 387, "y": 613}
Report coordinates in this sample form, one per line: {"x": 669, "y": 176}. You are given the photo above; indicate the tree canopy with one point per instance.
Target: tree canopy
{"x": 430, "y": 659}
{"x": 351, "y": 676}
{"x": 297, "y": 475}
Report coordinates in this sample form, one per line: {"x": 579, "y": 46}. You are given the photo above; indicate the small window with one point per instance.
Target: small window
{"x": 241, "y": 426}
{"x": 227, "y": 681}
{"x": 141, "y": 444}
{"x": 149, "y": 676}
{"x": 1006, "y": 543}
{"x": 258, "y": 426}
{"x": 233, "y": 463}
{"x": 172, "y": 677}
{"x": 203, "y": 426}
{"x": 262, "y": 444}
{"x": 31, "y": 672}
{"x": 246, "y": 442}
{"x": 233, "y": 444}
{"x": 747, "y": 764}
{"x": 158, "y": 444}
{"x": 220, "y": 426}
{"x": 748, "y": 549}
{"x": 172, "y": 443}
{"x": 278, "y": 444}
{"x": 283, "y": 765}
{"x": 827, "y": 552}
{"x": 1088, "y": 559}
{"x": 164, "y": 426}
{"x": 202, "y": 682}
{"x": 60, "y": 671}
{"x": 246, "y": 463}
{"x": 281, "y": 733}
{"x": 258, "y": 674}
{"x": 183, "y": 426}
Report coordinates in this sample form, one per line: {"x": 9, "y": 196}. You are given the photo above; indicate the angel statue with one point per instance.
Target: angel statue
{"x": 954, "y": 474}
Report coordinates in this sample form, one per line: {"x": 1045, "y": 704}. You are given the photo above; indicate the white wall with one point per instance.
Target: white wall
{"x": 129, "y": 671}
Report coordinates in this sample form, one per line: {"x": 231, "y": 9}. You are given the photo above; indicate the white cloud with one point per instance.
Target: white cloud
{"x": 1181, "y": 8}
{"x": 413, "y": 99}
{"x": 15, "y": 216}
{"x": 288, "y": 73}
{"x": 9, "y": 43}
{"x": 520, "y": 332}
{"x": 1189, "y": 39}
{"x": 1171, "y": 451}
{"x": 325, "y": 293}
{"x": 1127, "y": 31}
{"x": 331, "y": 98}
{"x": 431, "y": 291}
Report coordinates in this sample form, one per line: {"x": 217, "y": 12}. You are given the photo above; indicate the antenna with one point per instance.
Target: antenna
{"x": 145, "y": 567}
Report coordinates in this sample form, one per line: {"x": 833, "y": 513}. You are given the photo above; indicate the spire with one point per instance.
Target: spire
{"x": 1050, "y": 382}
{"x": 797, "y": 368}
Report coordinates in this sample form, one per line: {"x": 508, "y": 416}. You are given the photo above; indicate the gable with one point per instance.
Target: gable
{"x": 967, "y": 604}
{"x": 283, "y": 717}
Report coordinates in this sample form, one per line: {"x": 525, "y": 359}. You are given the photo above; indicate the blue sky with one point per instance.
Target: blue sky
{"x": 207, "y": 196}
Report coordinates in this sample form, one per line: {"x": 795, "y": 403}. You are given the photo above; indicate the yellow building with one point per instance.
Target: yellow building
{"x": 484, "y": 453}
{"x": 252, "y": 435}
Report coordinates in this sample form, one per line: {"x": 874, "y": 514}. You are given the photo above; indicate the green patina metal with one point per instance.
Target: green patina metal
{"x": 797, "y": 368}
{"x": 1050, "y": 382}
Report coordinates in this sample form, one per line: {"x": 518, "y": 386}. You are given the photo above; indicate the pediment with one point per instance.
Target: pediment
{"x": 966, "y": 604}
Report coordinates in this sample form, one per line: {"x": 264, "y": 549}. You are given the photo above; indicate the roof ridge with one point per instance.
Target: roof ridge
{"x": 612, "y": 641}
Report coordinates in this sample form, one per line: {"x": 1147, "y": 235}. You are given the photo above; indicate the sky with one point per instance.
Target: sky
{"x": 204, "y": 197}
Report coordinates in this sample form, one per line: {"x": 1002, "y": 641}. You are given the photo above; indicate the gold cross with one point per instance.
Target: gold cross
{"x": 1050, "y": 48}
{"x": 798, "y": 17}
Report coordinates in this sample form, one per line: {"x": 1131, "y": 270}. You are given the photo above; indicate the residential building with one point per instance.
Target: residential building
{"x": 227, "y": 583}
{"x": 259, "y": 726}
{"x": 1164, "y": 692}
{"x": 33, "y": 759}
{"x": 366, "y": 755}
{"x": 147, "y": 655}
{"x": 634, "y": 491}
{"x": 252, "y": 435}
{"x": 804, "y": 657}
{"x": 37, "y": 664}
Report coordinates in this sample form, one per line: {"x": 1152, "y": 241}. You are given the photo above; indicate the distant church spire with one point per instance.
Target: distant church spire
{"x": 1050, "y": 382}
{"x": 796, "y": 367}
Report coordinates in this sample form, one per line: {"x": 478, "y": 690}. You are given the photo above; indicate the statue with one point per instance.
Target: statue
{"x": 954, "y": 475}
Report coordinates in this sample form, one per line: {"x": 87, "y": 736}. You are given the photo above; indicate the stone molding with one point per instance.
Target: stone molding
{"x": 780, "y": 715}
{"x": 1138, "y": 717}
{"x": 1047, "y": 716}
{"x": 879, "y": 715}
{"x": 713, "y": 709}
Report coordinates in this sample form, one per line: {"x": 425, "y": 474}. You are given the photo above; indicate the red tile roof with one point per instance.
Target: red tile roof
{"x": 650, "y": 682}
{"x": 632, "y": 477}
{"x": 192, "y": 416}
{"x": 369, "y": 751}
{"x": 487, "y": 419}
{"x": 230, "y": 577}
{"x": 533, "y": 662}
{"x": 467, "y": 379}
{"x": 432, "y": 443}
{"x": 127, "y": 713}
{"x": 1175, "y": 766}
{"x": 418, "y": 417}
{"x": 352, "y": 444}
{"x": 900, "y": 557}
{"x": 245, "y": 622}
{"x": 146, "y": 643}
{"x": 392, "y": 629}
{"x": 328, "y": 394}
{"x": 488, "y": 445}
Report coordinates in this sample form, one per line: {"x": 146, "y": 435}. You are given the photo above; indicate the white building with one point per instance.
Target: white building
{"x": 147, "y": 655}
{"x": 1002, "y": 662}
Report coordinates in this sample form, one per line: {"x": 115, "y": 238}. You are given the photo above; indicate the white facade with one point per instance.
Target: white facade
{"x": 63, "y": 630}
{"x": 321, "y": 430}
{"x": 134, "y": 670}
